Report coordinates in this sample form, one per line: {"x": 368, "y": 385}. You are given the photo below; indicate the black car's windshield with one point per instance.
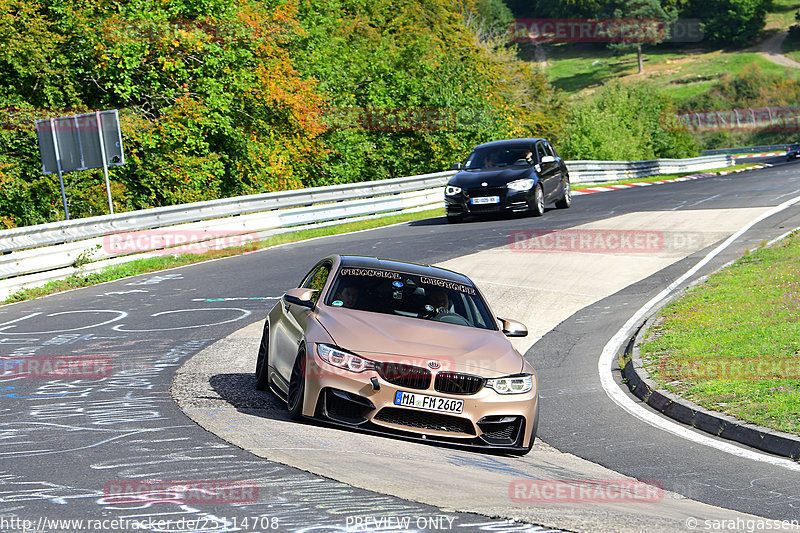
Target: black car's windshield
{"x": 502, "y": 156}
{"x": 409, "y": 295}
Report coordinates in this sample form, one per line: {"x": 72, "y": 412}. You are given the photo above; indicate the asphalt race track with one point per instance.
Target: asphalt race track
{"x": 68, "y": 444}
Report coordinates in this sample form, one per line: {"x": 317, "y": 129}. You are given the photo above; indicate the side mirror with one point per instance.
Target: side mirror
{"x": 301, "y": 297}
{"x": 548, "y": 159}
{"x": 512, "y": 328}
{"x": 456, "y": 166}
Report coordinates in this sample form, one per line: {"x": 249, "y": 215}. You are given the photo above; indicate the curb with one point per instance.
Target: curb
{"x": 601, "y": 188}
{"x": 766, "y": 154}
{"x": 691, "y": 414}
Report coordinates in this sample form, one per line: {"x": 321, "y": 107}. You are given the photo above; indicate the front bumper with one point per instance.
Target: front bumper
{"x": 488, "y": 420}
{"x": 510, "y": 201}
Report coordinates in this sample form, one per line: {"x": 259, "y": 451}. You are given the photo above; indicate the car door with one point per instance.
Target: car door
{"x": 548, "y": 169}
{"x": 289, "y": 329}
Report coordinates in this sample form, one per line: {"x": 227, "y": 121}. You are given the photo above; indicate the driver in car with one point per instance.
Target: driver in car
{"x": 440, "y": 301}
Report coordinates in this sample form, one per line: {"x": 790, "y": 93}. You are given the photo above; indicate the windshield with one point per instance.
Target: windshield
{"x": 500, "y": 156}
{"x": 409, "y": 295}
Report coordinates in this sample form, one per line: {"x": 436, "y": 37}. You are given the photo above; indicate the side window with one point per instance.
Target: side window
{"x": 550, "y": 150}
{"x": 540, "y": 152}
{"x": 316, "y": 279}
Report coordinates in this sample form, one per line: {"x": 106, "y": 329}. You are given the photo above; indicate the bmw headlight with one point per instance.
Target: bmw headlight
{"x": 519, "y": 384}
{"x": 521, "y": 185}
{"x": 452, "y": 190}
{"x": 339, "y": 358}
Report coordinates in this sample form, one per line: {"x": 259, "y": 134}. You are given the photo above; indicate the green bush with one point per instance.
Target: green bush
{"x": 625, "y": 122}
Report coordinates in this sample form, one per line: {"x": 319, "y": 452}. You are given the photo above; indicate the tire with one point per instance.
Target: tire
{"x": 537, "y": 209}
{"x": 565, "y": 200}
{"x": 297, "y": 386}
{"x": 262, "y": 361}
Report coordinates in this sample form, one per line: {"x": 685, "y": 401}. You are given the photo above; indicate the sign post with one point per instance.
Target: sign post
{"x": 80, "y": 142}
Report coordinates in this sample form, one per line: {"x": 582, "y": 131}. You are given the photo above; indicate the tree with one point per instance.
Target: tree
{"x": 641, "y": 22}
{"x": 625, "y": 121}
{"x": 733, "y": 22}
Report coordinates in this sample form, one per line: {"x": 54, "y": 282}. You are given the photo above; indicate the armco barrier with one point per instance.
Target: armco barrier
{"x": 748, "y": 149}
{"x": 35, "y": 254}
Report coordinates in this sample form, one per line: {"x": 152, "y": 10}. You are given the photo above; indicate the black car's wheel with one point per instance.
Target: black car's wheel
{"x": 262, "y": 362}
{"x": 297, "y": 386}
{"x": 566, "y": 199}
{"x": 537, "y": 208}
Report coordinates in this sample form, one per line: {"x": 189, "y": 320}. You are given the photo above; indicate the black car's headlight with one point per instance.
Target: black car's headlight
{"x": 339, "y": 358}
{"x": 521, "y": 185}
{"x": 452, "y": 190}
{"x": 519, "y": 384}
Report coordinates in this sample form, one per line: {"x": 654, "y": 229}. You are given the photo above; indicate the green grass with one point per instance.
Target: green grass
{"x": 732, "y": 344}
{"x": 162, "y": 262}
{"x": 680, "y": 72}
{"x": 782, "y": 13}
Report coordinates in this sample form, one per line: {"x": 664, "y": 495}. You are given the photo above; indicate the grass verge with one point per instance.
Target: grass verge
{"x": 162, "y": 262}
{"x": 732, "y": 344}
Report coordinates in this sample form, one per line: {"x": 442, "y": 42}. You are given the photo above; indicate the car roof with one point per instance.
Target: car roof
{"x": 509, "y": 142}
{"x": 361, "y": 261}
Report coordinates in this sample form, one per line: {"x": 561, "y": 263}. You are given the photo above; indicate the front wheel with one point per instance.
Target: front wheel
{"x": 537, "y": 209}
{"x": 297, "y": 386}
{"x": 566, "y": 199}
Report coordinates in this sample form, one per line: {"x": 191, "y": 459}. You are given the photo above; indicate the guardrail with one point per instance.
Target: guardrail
{"x": 747, "y": 149}
{"x": 35, "y": 254}
{"x": 599, "y": 171}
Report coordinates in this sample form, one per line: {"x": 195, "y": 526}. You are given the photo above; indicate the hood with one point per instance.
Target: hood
{"x": 494, "y": 178}
{"x": 415, "y": 341}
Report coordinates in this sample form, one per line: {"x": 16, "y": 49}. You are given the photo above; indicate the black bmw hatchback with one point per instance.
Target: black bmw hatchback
{"x": 512, "y": 175}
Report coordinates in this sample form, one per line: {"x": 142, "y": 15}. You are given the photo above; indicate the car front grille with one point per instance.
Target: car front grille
{"x": 457, "y": 383}
{"x": 413, "y": 377}
{"x": 425, "y": 420}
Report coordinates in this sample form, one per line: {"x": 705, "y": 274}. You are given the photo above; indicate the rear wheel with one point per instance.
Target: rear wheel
{"x": 297, "y": 386}
{"x": 262, "y": 362}
{"x": 537, "y": 209}
{"x": 566, "y": 199}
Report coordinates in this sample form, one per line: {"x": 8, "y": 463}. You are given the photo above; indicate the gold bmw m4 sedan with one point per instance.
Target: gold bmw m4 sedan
{"x": 399, "y": 348}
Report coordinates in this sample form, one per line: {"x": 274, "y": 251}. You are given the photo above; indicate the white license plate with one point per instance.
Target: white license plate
{"x": 486, "y": 200}
{"x": 428, "y": 403}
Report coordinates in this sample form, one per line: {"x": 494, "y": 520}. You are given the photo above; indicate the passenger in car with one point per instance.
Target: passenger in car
{"x": 348, "y": 295}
